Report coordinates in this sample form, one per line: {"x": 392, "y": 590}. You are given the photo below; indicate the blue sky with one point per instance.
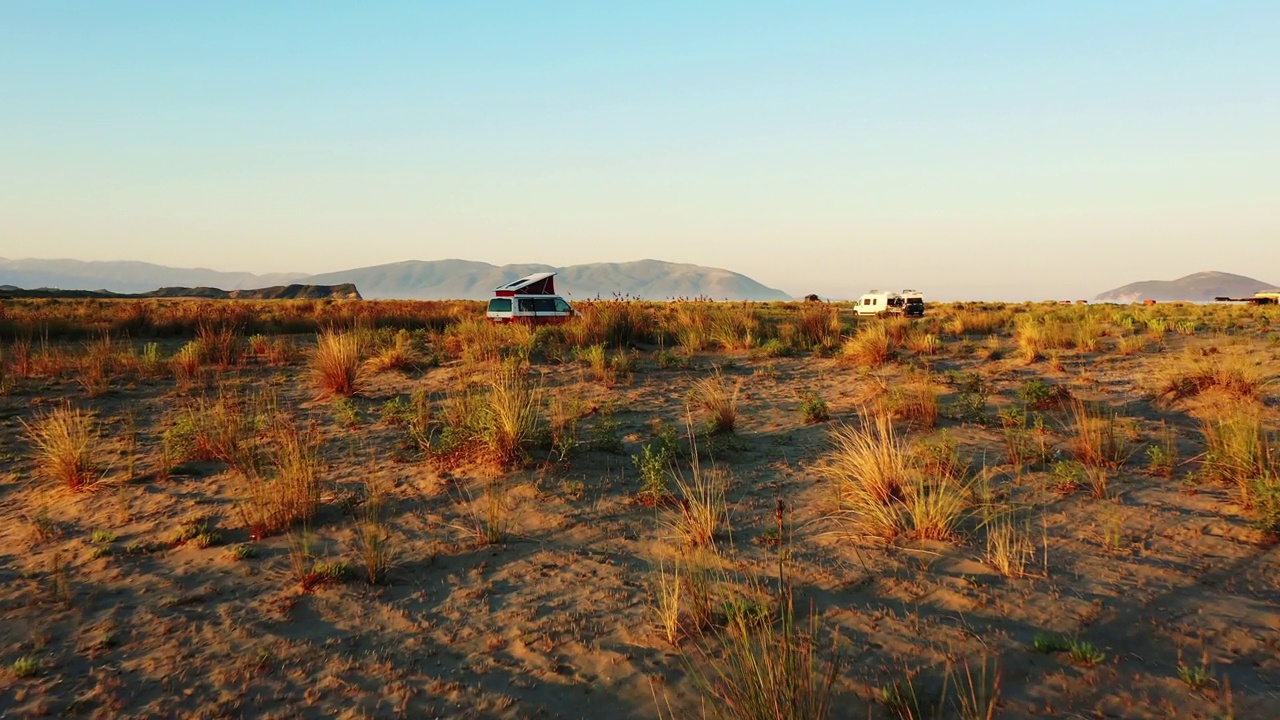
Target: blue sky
{"x": 976, "y": 150}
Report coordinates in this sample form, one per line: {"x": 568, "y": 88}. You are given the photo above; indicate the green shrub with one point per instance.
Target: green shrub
{"x": 813, "y": 409}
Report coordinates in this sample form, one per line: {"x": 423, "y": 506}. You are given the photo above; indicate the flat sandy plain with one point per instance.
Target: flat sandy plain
{"x": 534, "y": 590}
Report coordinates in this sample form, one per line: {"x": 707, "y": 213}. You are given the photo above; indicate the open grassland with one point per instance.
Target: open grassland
{"x": 683, "y": 510}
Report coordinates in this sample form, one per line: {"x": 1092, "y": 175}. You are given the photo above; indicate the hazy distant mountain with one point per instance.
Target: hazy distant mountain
{"x": 650, "y": 279}
{"x": 1200, "y": 287}
{"x": 278, "y": 292}
{"x": 127, "y": 276}
{"x": 429, "y": 280}
{"x": 413, "y": 279}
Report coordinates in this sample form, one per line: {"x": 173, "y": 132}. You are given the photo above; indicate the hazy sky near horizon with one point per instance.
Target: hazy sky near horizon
{"x": 1002, "y": 150}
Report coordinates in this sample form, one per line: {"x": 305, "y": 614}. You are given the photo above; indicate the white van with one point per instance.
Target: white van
{"x": 879, "y": 303}
{"x": 531, "y": 299}
{"x": 909, "y": 303}
{"x": 913, "y": 305}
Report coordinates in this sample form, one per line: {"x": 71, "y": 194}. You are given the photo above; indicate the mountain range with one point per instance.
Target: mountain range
{"x": 1199, "y": 287}
{"x": 412, "y": 279}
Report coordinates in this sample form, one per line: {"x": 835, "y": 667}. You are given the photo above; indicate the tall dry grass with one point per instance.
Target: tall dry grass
{"x": 514, "y": 413}
{"x": 372, "y": 536}
{"x": 701, "y": 511}
{"x": 880, "y": 491}
{"x": 818, "y": 325}
{"x": 66, "y": 440}
{"x": 1098, "y": 439}
{"x": 287, "y": 494}
{"x": 717, "y": 398}
{"x": 1190, "y": 376}
{"x": 398, "y": 354}
{"x": 223, "y": 429}
{"x": 336, "y": 363}
{"x": 872, "y": 345}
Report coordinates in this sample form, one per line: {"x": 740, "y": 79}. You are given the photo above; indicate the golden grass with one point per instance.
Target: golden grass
{"x": 916, "y": 402}
{"x": 717, "y": 398}
{"x": 934, "y": 508}
{"x": 224, "y": 429}
{"x": 65, "y": 441}
{"x": 735, "y": 326}
{"x": 872, "y": 345}
{"x": 221, "y": 343}
{"x": 187, "y": 361}
{"x": 1097, "y": 437}
{"x": 818, "y": 325}
{"x": 372, "y": 537}
{"x": 288, "y": 494}
{"x": 399, "y": 354}
{"x": 1240, "y": 451}
{"x": 514, "y": 413}
{"x": 1010, "y": 545}
{"x": 1191, "y": 376}
{"x": 668, "y": 601}
{"x": 868, "y": 464}
{"x": 335, "y": 363}
{"x": 879, "y": 490}
{"x": 777, "y": 671}
{"x": 701, "y": 511}
{"x": 1030, "y": 338}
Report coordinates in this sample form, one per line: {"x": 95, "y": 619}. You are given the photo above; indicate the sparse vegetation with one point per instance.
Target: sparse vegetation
{"x": 487, "y": 491}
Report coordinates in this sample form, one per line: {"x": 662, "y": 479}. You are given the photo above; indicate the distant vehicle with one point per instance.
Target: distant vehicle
{"x": 1266, "y": 297}
{"x": 531, "y": 299}
{"x": 909, "y": 303}
{"x": 914, "y": 305}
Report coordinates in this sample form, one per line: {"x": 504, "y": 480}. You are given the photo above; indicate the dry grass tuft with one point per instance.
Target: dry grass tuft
{"x": 1010, "y": 545}
{"x": 373, "y": 540}
{"x": 701, "y": 511}
{"x": 1030, "y": 338}
{"x": 1241, "y": 452}
{"x": 879, "y": 491}
{"x": 335, "y": 363}
{"x": 775, "y": 672}
{"x": 513, "y": 414}
{"x": 916, "y": 402}
{"x": 869, "y": 464}
{"x": 399, "y": 354}
{"x": 289, "y": 494}
{"x": 818, "y": 325}
{"x": 66, "y": 441}
{"x": 872, "y": 346}
{"x": 1192, "y": 375}
{"x": 1098, "y": 438}
{"x": 718, "y": 399}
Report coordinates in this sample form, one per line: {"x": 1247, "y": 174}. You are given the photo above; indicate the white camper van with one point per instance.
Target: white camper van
{"x": 531, "y": 299}
{"x": 879, "y": 303}
{"x": 909, "y": 303}
{"x": 913, "y": 303}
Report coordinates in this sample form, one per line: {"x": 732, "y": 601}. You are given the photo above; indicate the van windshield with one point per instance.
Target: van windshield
{"x": 500, "y": 305}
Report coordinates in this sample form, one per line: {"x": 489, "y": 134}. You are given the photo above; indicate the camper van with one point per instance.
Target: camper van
{"x": 531, "y": 299}
{"x": 913, "y": 305}
{"x": 909, "y": 303}
{"x": 879, "y": 303}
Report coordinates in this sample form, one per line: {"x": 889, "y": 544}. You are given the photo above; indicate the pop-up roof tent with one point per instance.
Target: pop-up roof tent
{"x": 535, "y": 284}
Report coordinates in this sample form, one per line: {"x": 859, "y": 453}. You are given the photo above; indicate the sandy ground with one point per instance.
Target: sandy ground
{"x": 557, "y": 621}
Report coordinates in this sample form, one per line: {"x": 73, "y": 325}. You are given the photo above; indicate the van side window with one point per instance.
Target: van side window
{"x": 526, "y": 305}
{"x": 562, "y": 306}
{"x": 544, "y": 305}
